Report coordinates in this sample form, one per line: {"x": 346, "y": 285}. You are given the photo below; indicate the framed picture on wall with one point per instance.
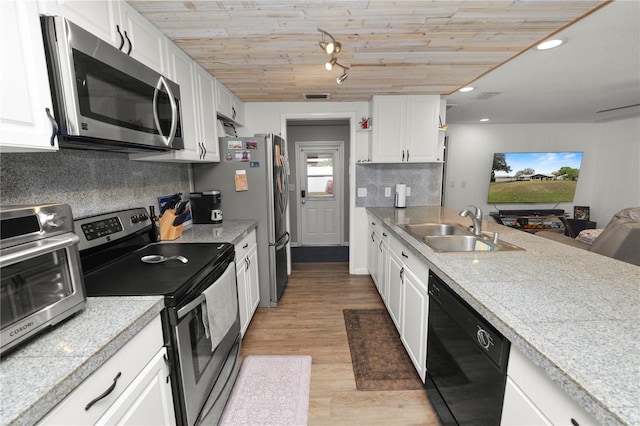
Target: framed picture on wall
{"x": 581, "y": 212}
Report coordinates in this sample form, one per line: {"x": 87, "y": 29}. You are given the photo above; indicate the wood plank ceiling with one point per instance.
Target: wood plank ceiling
{"x": 267, "y": 50}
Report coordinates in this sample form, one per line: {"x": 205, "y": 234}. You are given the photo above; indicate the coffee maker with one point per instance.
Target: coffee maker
{"x": 205, "y": 207}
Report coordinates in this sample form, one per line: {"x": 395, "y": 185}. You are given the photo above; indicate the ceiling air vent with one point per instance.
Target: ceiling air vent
{"x": 487, "y": 95}
{"x": 316, "y": 96}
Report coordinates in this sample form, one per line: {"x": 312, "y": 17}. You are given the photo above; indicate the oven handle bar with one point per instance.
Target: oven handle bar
{"x": 37, "y": 248}
{"x": 190, "y": 306}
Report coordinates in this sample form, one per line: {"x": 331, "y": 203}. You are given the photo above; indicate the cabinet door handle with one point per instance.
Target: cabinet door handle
{"x": 233, "y": 113}
{"x": 106, "y": 393}
{"x": 373, "y": 239}
{"x": 404, "y": 255}
{"x": 204, "y": 150}
{"x": 403, "y": 155}
{"x": 247, "y": 262}
{"x": 121, "y": 37}
{"x": 402, "y": 275}
{"x": 168, "y": 364}
{"x": 129, "y": 41}
{"x": 407, "y": 150}
{"x": 384, "y": 234}
{"x": 54, "y": 127}
{"x": 245, "y": 245}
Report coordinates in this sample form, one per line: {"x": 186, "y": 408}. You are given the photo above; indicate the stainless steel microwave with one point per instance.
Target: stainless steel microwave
{"x": 103, "y": 98}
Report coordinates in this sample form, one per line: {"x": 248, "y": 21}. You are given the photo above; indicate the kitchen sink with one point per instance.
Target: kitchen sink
{"x": 450, "y": 237}
{"x": 420, "y": 230}
{"x": 460, "y": 243}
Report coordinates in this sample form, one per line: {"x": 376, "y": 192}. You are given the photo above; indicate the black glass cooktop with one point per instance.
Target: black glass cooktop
{"x": 130, "y": 276}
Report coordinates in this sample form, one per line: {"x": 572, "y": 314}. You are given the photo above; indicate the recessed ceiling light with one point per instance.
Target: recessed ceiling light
{"x": 466, "y": 89}
{"x": 483, "y": 120}
{"x": 550, "y": 44}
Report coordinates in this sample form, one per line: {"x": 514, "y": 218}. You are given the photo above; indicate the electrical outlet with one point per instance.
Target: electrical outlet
{"x": 362, "y": 192}
{"x": 408, "y": 192}
{"x": 387, "y": 191}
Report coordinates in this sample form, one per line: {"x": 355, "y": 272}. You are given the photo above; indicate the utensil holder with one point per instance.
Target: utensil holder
{"x": 169, "y": 232}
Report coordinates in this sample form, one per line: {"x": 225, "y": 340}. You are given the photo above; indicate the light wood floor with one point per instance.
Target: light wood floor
{"x": 309, "y": 321}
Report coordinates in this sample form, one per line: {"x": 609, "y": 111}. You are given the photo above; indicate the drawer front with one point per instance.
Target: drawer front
{"x": 127, "y": 363}
{"x": 409, "y": 258}
{"x": 242, "y": 248}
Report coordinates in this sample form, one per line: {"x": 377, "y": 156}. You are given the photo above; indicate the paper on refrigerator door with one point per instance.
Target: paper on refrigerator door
{"x": 241, "y": 180}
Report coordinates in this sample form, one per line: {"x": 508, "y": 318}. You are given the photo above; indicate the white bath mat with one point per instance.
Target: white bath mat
{"x": 270, "y": 390}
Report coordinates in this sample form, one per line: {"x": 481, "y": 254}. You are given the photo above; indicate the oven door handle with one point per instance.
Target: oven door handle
{"x": 37, "y": 248}
{"x": 190, "y": 306}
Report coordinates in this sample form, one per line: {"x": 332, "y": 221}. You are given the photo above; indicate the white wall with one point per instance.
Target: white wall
{"x": 609, "y": 176}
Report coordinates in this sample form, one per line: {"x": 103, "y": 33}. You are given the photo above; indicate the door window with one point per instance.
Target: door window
{"x": 320, "y": 175}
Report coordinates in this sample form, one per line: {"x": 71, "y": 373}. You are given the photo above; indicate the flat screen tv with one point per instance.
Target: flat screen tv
{"x": 534, "y": 177}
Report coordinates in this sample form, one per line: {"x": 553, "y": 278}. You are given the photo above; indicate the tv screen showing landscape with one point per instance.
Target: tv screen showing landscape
{"x": 534, "y": 177}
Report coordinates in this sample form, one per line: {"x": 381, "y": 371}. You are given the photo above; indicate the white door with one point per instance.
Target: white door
{"x": 320, "y": 198}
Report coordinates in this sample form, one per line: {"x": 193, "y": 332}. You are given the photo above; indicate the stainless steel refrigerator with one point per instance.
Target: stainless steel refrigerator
{"x": 252, "y": 177}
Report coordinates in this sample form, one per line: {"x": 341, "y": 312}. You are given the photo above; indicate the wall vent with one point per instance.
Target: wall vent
{"x": 316, "y": 96}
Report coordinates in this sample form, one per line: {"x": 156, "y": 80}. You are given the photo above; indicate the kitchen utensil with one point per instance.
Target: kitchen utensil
{"x": 158, "y": 258}
{"x": 179, "y": 220}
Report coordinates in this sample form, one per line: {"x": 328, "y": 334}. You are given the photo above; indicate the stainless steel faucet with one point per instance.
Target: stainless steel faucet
{"x": 476, "y": 218}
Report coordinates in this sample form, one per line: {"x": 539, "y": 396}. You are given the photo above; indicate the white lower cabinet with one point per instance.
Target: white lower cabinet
{"x": 408, "y": 302}
{"x": 414, "y": 316}
{"x": 247, "y": 279}
{"x": 131, "y": 387}
{"x": 532, "y": 398}
{"x": 148, "y": 400}
{"x": 378, "y": 256}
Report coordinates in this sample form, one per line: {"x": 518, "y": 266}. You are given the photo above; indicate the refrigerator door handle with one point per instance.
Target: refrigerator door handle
{"x": 280, "y": 244}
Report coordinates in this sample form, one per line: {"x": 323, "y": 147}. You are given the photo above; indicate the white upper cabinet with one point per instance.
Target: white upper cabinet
{"x": 25, "y": 122}
{"x": 197, "y": 102}
{"x": 149, "y": 44}
{"x": 229, "y": 105}
{"x": 208, "y": 129}
{"x": 117, "y": 23}
{"x": 405, "y": 129}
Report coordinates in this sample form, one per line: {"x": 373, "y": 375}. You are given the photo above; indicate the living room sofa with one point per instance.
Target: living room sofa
{"x": 620, "y": 239}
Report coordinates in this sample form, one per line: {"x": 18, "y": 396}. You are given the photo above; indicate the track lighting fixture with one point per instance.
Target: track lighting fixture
{"x": 331, "y": 46}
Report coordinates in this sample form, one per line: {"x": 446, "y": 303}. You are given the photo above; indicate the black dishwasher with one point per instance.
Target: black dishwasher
{"x": 466, "y": 360}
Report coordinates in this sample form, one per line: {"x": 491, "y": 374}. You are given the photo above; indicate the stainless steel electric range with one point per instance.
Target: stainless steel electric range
{"x": 112, "y": 246}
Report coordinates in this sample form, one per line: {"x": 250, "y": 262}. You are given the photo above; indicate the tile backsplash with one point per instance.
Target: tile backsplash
{"x": 424, "y": 179}
{"x": 90, "y": 182}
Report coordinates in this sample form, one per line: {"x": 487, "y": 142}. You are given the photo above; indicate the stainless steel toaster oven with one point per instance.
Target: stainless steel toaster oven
{"x": 40, "y": 272}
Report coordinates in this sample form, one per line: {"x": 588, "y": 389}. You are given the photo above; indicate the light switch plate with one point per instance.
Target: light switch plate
{"x": 362, "y": 192}
{"x": 408, "y": 191}
{"x": 387, "y": 192}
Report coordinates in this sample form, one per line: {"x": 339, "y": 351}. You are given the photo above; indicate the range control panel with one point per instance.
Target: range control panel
{"x": 96, "y": 230}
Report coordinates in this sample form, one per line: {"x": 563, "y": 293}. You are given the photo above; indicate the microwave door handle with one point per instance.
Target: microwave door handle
{"x": 162, "y": 82}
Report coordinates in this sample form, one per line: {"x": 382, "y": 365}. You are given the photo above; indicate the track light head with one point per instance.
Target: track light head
{"x": 329, "y": 47}
{"x": 342, "y": 78}
{"x": 329, "y": 65}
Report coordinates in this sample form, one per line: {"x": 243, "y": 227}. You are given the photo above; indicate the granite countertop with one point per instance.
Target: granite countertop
{"x": 40, "y": 374}
{"x": 574, "y": 313}
{"x": 230, "y": 231}
{"x": 36, "y": 377}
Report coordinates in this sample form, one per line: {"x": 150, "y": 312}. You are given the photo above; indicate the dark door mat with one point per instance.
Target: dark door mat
{"x": 379, "y": 360}
{"x": 320, "y": 254}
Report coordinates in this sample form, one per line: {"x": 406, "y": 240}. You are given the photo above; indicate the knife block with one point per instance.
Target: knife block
{"x": 169, "y": 232}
